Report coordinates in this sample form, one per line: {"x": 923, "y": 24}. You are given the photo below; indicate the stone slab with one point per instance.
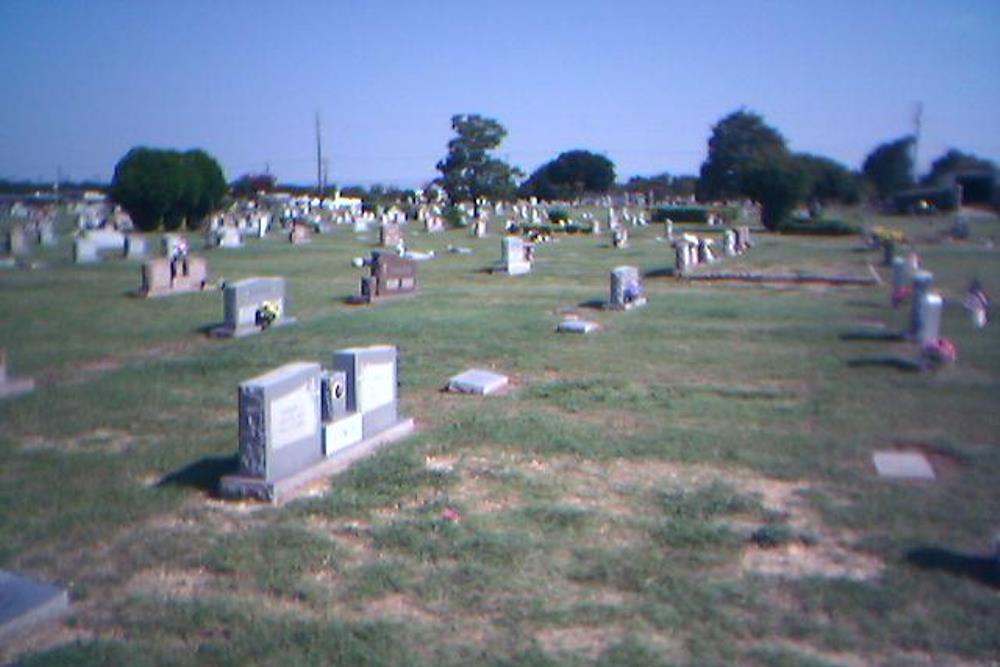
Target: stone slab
{"x": 25, "y": 603}
{"x": 477, "y": 381}
{"x": 236, "y": 486}
{"x": 902, "y": 465}
{"x": 577, "y": 326}
{"x": 16, "y": 386}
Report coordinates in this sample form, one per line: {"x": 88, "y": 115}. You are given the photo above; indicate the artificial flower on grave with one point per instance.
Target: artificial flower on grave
{"x": 941, "y": 351}
{"x": 901, "y": 294}
{"x": 268, "y": 313}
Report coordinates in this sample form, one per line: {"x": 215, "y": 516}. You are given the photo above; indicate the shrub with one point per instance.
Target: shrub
{"x": 681, "y": 214}
{"x": 454, "y": 217}
{"x": 821, "y": 227}
{"x": 558, "y": 215}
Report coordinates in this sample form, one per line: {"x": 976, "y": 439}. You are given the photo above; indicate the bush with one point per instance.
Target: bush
{"x": 681, "y": 214}
{"x": 454, "y": 217}
{"x": 558, "y": 215}
{"x": 821, "y": 227}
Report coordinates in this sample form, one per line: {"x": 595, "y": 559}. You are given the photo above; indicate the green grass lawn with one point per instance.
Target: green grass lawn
{"x": 692, "y": 485}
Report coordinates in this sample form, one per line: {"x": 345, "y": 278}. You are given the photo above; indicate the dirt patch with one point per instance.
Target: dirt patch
{"x": 397, "y": 607}
{"x": 170, "y": 584}
{"x": 591, "y": 640}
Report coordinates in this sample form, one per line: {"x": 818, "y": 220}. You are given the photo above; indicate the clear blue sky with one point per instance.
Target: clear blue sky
{"x": 641, "y": 81}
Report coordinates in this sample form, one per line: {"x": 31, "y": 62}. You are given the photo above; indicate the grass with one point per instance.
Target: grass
{"x": 610, "y": 507}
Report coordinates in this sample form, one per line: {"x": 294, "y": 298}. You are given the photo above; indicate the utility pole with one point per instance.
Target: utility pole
{"x": 918, "y": 114}
{"x": 319, "y": 157}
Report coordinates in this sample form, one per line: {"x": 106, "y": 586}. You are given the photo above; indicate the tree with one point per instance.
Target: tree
{"x": 248, "y": 185}
{"x": 469, "y": 171}
{"x": 570, "y": 175}
{"x": 889, "y": 168}
{"x": 747, "y": 157}
{"x": 169, "y": 188}
{"x": 828, "y": 180}
{"x": 954, "y": 162}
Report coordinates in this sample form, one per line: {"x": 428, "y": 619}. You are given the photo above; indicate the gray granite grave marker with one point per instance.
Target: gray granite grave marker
{"x": 248, "y": 306}
{"x": 902, "y": 465}
{"x": 626, "y": 288}
{"x": 26, "y": 603}
{"x": 477, "y": 381}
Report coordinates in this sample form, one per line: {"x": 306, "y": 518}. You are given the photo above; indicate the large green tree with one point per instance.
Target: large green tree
{"x": 889, "y": 168}
{"x": 168, "y": 188}
{"x": 570, "y": 175}
{"x": 828, "y": 180}
{"x": 469, "y": 172}
{"x": 747, "y": 157}
{"x": 954, "y": 162}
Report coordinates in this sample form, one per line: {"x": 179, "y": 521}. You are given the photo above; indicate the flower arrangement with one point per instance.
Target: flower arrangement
{"x": 941, "y": 351}
{"x": 885, "y": 235}
{"x": 267, "y": 314}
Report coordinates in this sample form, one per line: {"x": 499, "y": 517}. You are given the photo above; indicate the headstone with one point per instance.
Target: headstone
{"x": 514, "y": 258}
{"x": 10, "y": 386}
{"x": 900, "y": 273}
{"x": 929, "y": 319}
{"x": 705, "y": 254}
{"x": 479, "y": 228}
{"x": 26, "y": 603}
{"x": 577, "y": 326}
{"x": 682, "y": 257}
{"x": 626, "y": 288}
{"x": 173, "y": 244}
{"x": 477, "y": 381}
{"x": 922, "y": 282}
{"x": 390, "y": 276}
{"x": 729, "y": 243}
{"x": 280, "y": 431}
{"x": 669, "y": 229}
{"x": 372, "y": 388}
{"x": 253, "y": 305}
{"x": 619, "y": 237}
{"x": 902, "y": 465}
{"x": 299, "y": 233}
{"x": 46, "y": 230}
{"x": 135, "y": 246}
{"x": 89, "y": 246}
{"x": 228, "y": 237}
{"x": 390, "y": 234}
{"x": 17, "y": 241}
{"x": 163, "y": 276}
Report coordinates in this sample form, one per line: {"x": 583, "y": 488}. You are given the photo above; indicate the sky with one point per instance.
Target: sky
{"x": 639, "y": 81}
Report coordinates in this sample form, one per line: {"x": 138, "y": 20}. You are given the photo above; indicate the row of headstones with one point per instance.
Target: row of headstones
{"x": 297, "y": 417}
{"x": 691, "y": 250}
{"x": 20, "y": 237}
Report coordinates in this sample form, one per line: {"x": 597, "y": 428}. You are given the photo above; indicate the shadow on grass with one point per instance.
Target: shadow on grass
{"x": 982, "y": 569}
{"x": 203, "y": 475}
{"x": 660, "y": 273}
{"x": 890, "y": 361}
{"x": 873, "y": 334}
{"x": 593, "y": 304}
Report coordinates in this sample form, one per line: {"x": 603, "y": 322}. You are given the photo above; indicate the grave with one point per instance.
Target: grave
{"x": 253, "y": 305}
{"x": 922, "y": 282}
{"x": 729, "y": 243}
{"x": 390, "y": 234}
{"x": 299, "y": 233}
{"x": 477, "y": 381}
{"x": 46, "y": 232}
{"x": 902, "y": 465}
{"x": 91, "y": 245}
{"x": 173, "y": 245}
{"x": 10, "y": 386}
{"x": 17, "y": 241}
{"x": 929, "y": 318}
{"x": 577, "y": 326}
{"x": 619, "y": 237}
{"x": 226, "y": 237}
{"x": 515, "y": 256}
{"x": 26, "y": 603}
{"x": 626, "y": 289}
{"x": 299, "y": 423}
{"x": 164, "y": 276}
{"x": 390, "y": 276}
{"x": 135, "y": 246}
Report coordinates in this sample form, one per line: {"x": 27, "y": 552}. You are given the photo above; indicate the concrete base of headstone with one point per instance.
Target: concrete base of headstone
{"x": 224, "y": 331}
{"x": 477, "y": 381}
{"x": 902, "y": 465}
{"x": 26, "y": 603}
{"x": 15, "y": 387}
{"x": 637, "y": 303}
{"x": 577, "y": 326}
{"x": 513, "y": 268}
{"x": 240, "y": 487}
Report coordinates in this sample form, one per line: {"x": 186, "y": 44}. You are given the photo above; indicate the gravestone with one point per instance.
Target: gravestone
{"x": 46, "y": 232}
{"x": 929, "y": 318}
{"x": 922, "y": 282}
{"x": 577, "y": 326}
{"x": 163, "y": 276}
{"x": 92, "y": 244}
{"x": 372, "y": 388}
{"x": 478, "y": 228}
{"x": 135, "y": 246}
{"x": 10, "y": 386}
{"x": 227, "y": 237}
{"x": 173, "y": 245}
{"x": 390, "y": 275}
{"x": 26, "y": 603}
{"x": 626, "y": 289}
{"x": 17, "y": 241}
{"x": 902, "y": 465}
{"x": 619, "y": 237}
{"x": 390, "y": 234}
{"x": 477, "y": 381}
{"x": 299, "y": 233}
{"x": 515, "y": 256}
{"x": 253, "y": 305}
{"x": 279, "y": 429}
{"x": 705, "y": 254}
{"x": 900, "y": 273}
{"x": 669, "y": 229}
{"x": 729, "y": 243}
{"x": 682, "y": 257}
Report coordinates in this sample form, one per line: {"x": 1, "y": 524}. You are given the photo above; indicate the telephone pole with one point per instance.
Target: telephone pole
{"x": 319, "y": 157}
{"x": 918, "y": 115}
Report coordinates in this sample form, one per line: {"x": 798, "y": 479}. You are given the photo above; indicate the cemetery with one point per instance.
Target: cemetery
{"x": 457, "y": 480}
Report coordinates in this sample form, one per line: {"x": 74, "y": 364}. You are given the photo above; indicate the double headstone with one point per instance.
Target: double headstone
{"x": 626, "y": 288}
{"x": 253, "y": 305}
{"x": 391, "y": 275}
